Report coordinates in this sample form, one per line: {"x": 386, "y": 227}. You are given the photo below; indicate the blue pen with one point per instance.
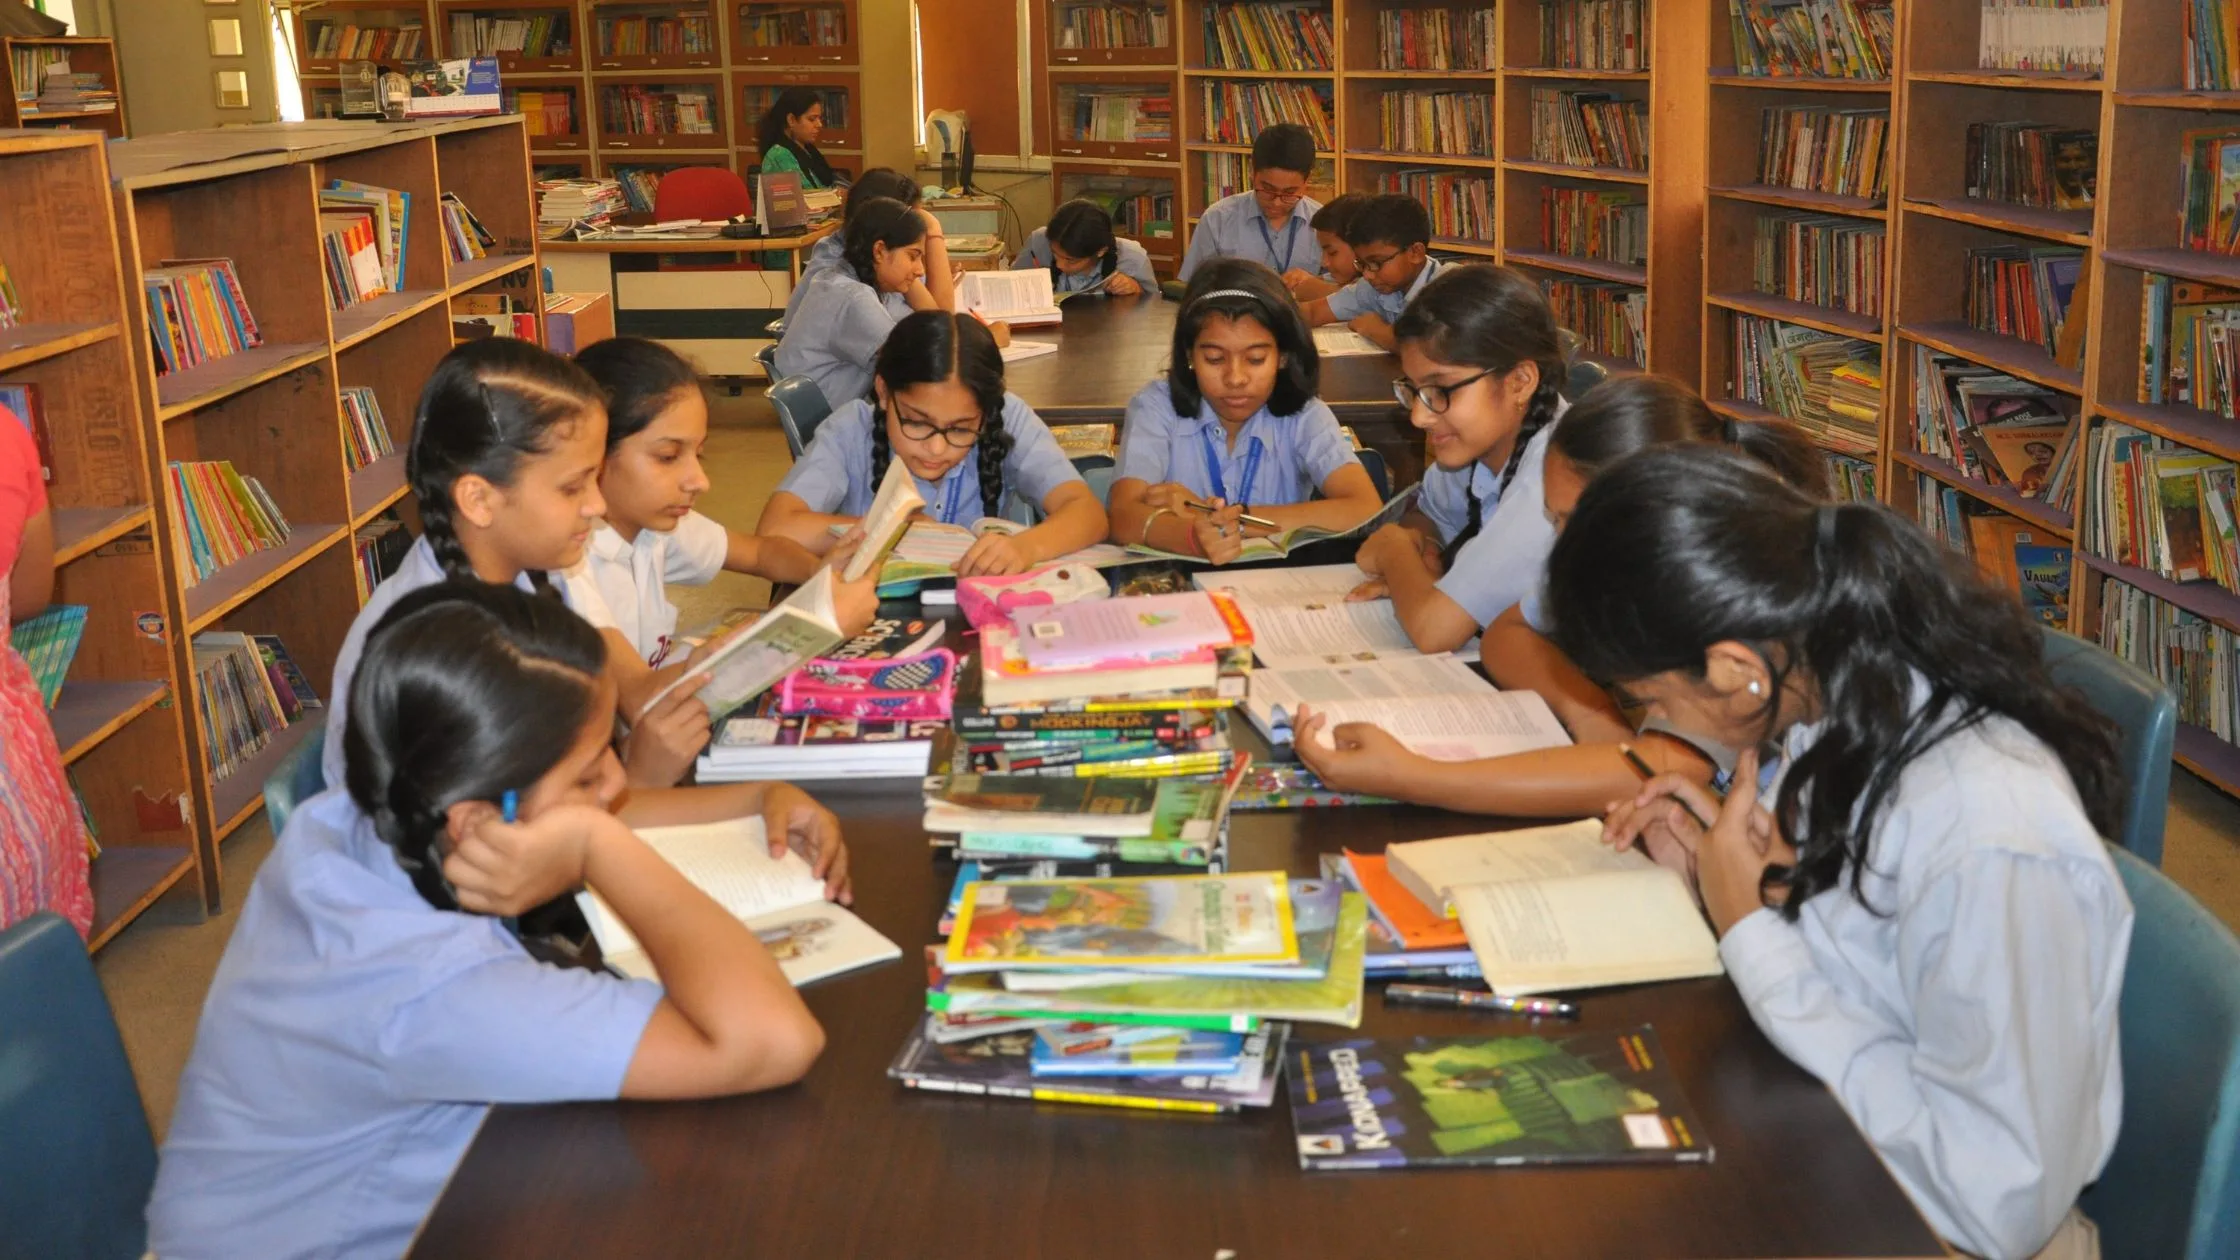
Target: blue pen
{"x": 510, "y": 803}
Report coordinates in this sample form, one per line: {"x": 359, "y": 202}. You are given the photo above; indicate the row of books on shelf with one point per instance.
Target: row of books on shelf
{"x": 1461, "y": 205}
{"x": 1823, "y": 260}
{"x": 2212, "y": 45}
{"x": 1609, "y": 317}
{"x": 640, "y": 110}
{"x": 1448, "y": 124}
{"x": 2190, "y": 345}
{"x": 1139, "y": 213}
{"x": 197, "y": 312}
{"x": 549, "y": 34}
{"x": 2059, "y": 35}
{"x": 2196, "y": 658}
{"x": 478, "y": 315}
{"x": 662, "y": 35}
{"x": 27, "y": 65}
{"x": 1121, "y": 115}
{"x": 222, "y": 517}
{"x": 2209, "y": 190}
{"x": 364, "y": 231}
{"x": 1832, "y": 39}
{"x": 1595, "y": 223}
{"x": 365, "y": 434}
{"x": 1235, "y": 111}
{"x": 378, "y": 547}
{"x": 835, "y": 100}
{"x": 2027, "y": 292}
{"x": 248, "y": 690}
{"x": 2163, "y": 507}
{"x": 2033, "y": 164}
{"x": 48, "y": 643}
{"x": 1829, "y": 385}
{"x": 1851, "y": 480}
{"x": 1224, "y": 174}
{"x": 1996, "y": 428}
{"x": 1584, "y": 127}
{"x": 782, "y": 27}
{"x": 1818, "y": 149}
{"x": 1590, "y": 34}
{"x": 544, "y": 111}
{"x": 464, "y": 237}
{"x": 347, "y": 41}
{"x": 1267, "y": 37}
{"x": 1437, "y": 39}
{"x": 2012, "y": 554}
{"x": 638, "y": 185}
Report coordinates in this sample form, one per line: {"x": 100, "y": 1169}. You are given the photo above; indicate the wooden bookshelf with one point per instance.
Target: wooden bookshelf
{"x": 326, "y": 70}
{"x": 118, "y": 719}
{"x": 1118, "y": 48}
{"x": 19, "y": 106}
{"x": 250, "y": 195}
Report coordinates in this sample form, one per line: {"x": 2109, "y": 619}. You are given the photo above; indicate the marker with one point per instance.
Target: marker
{"x": 1643, "y": 769}
{"x": 510, "y": 804}
{"x": 1433, "y": 995}
{"x": 1261, "y": 521}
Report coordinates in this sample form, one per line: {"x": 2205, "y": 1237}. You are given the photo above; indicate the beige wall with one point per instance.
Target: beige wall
{"x": 163, "y": 55}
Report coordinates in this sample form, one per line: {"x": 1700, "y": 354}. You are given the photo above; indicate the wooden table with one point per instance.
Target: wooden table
{"x": 714, "y": 316}
{"x": 850, "y": 1163}
{"x": 792, "y": 246}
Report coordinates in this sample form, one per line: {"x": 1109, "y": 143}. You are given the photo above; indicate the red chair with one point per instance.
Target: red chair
{"x": 701, "y": 192}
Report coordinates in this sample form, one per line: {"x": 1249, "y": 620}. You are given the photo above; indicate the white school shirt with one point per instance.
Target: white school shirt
{"x": 1970, "y": 1028}
{"x": 1508, "y": 559}
{"x": 834, "y": 475}
{"x": 1296, "y": 453}
{"x": 1133, "y": 263}
{"x": 632, "y": 576}
{"x": 825, "y": 255}
{"x": 835, "y": 333}
{"x": 1233, "y": 227}
{"x": 420, "y": 568}
{"x": 351, "y": 1045}
{"x": 1363, "y": 298}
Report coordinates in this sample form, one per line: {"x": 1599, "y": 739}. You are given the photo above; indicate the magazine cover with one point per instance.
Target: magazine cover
{"x": 1144, "y": 922}
{"x": 1457, "y": 1101}
{"x": 1003, "y": 1065}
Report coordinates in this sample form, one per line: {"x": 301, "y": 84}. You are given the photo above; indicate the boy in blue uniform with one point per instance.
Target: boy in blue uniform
{"x": 1391, "y": 242}
{"x": 1272, "y": 222}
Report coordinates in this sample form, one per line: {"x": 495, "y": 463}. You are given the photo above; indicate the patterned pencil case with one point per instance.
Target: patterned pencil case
{"x": 911, "y": 687}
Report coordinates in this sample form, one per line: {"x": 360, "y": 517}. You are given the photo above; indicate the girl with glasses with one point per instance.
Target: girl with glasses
{"x": 1234, "y": 425}
{"x": 938, "y": 404}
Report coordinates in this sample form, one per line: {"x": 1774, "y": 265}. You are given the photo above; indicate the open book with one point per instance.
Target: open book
{"x": 931, "y": 549}
{"x": 887, "y": 521}
{"x": 742, "y": 663}
{"x": 1331, "y": 340}
{"x": 1435, "y": 705}
{"x": 1554, "y": 908}
{"x": 777, "y": 897}
{"x": 1283, "y": 542}
{"x": 1017, "y": 298}
{"x": 1301, "y": 617}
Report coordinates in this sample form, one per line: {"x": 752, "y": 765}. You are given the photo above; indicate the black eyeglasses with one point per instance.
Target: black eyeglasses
{"x": 1435, "y": 397}
{"x": 961, "y": 436}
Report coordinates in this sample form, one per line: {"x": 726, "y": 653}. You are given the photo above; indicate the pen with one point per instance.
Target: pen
{"x": 1261, "y": 521}
{"x": 1642, "y": 768}
{"x": 510, "y": 805}
{"x": 1457, "y": 971}
{"x": 1433, "y": 995}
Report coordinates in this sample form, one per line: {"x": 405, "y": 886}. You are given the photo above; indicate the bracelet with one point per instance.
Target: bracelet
{"x": 1147, "y": 521}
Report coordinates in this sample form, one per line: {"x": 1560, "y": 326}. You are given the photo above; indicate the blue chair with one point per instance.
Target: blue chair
{"x": 1097, "y": 470}
{"x": 2171, "y": 1190}
{"x": 768, "y": 358}
{"x": 298, "y": 778}
{"x": 1379, "y": 475}
{"x": 801, "y": 408}
{"x": 776, "y": 328}
{"x": 2146, "y": 720}
{"x": 1582, "y": 375}
{"x": 78, "y": 1162}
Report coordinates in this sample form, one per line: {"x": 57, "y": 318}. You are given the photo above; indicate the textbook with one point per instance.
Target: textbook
{"x": 770, "y": 745}
{"x": 930, "y": 549}
{"x": 1465, "y": 722}
{"x": 1018, "y": 298}
{"x": 1554, "y": 908}
{"x": 1276, "y": 693}
{"x": 885, "y": 524}
{"x": 1001, "y": 1065}
{"x": 1186, "y": 827}
{"x": 779, "y": 898}
{"x": 1149, "y": 922}
{"x": 1301, "y": 616}
{"x": 744, "y": 662}
{"x": 1282, "y": 543}
{"x": 1443, "y": 1102}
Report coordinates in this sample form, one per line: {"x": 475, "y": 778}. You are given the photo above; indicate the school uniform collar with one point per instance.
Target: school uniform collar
{"x": 1261, "y": 425}
{"x": 607, "y": 543}
{"x": 1431, "y": 267}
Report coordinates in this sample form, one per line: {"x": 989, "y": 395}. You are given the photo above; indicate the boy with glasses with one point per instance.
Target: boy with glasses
{"x": 1391, "y": 241}
{"x": 1270, "y": 223}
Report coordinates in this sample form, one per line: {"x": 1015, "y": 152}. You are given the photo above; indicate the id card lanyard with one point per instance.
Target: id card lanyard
{"x": 1290, "y": 240}
{"x": 1213, "y": 468}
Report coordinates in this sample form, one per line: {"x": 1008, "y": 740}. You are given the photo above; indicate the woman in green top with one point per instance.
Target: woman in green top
{"x": 789, "y": 137}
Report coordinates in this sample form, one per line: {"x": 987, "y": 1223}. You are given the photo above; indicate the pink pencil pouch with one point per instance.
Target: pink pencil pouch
{"x": 914, "y": 688}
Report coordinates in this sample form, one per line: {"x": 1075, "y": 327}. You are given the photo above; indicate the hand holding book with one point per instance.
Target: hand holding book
{"x": 1729, "y": 860}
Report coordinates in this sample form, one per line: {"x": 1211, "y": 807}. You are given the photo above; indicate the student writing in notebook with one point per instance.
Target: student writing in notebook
{"x": 1338, "y": 267}
{"x": 827, "y": 253}
{"x": 1235, "y": 427}
{"x": 844, "y": 316}
{"x": 938, "y": 404}
{"x": 1391, "y": 240}
{"x": 1921, "y": 912}
{"x": 657, "y": 426}
{"x": 504, "y": 462}
{"x": 1267, "y": 223}
{"x": 1082, "y": 253}
{"x": 1480, "y": 368}
{"x": 1616, "y": 418}
{"x": 391, "y": 976}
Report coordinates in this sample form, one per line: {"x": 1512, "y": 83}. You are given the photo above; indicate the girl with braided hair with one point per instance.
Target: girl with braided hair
{"x": 384, "y": 985}
{"x": 1481, "y": 367}
{"x": 938, "y": 404}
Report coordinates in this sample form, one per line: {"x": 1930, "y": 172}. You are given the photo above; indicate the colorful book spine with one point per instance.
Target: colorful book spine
{"x": 1595, "y": 223}
{"x": 1584, "y": 127}
{"x": 1111, "y": 26}
{"x": 197, "y": 312}
{"x": 1831, "y": 39}
{"x": 1824, "y": 260}
{"x": 1436, "y": 39}
{"x": 2056, "y": 35}
{"x": 1461, "y": 205}
{"x": 1293, "y": 36}
{"x": 1592, "y": 34}
{"x": 1609, "y": 317}
{"x": 1817, "y": 149}
{"x": 1447, "y": 124}
{"x": 1234, "y": 111}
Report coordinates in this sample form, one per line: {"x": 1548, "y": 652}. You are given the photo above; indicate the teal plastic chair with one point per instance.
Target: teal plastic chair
{"x": 768, "y": 358}
{"x": 1372, "y": 460}
{"x": 2146, "y": 720}
{"x": 77, "y": 1161}
{"x": 801, "y": 408}
{"x": 298, "y": 778}
{"x": 1097, "y": 470}
{"x": 2171, "y": 1190}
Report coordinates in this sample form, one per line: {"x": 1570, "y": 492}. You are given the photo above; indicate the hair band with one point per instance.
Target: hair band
{"x": 1246, "y": 294}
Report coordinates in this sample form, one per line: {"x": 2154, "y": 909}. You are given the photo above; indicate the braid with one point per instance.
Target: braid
{"x": 1537, "y": 414}
{"x": 882, "y": 452}
{"x": 443, "y": 539}
{"x": 413, "y": 829}
{"x": 1469, "y": 530}
{"x": 993, "y": 448}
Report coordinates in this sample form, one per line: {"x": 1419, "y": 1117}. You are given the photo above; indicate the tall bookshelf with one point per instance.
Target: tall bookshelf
{"x": 118, "y": 719}
{"x": 19, "y": 107}
{"x": 1100, "y": 55}
{"x": 274, "y": 411}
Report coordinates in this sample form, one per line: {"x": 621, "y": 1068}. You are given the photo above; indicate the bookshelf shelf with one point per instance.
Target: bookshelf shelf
{"x": 1207, "y": 72}
{"x": 1727, "y": 77}
{"x": 1454, "y": 246}
{"x": 2179, "y": 98}
{"x": 1606, "y": 174}
{"x": 375, "y": 316}
{"x": 1478, "y": 162}
{"x": 2028, "y": 80}
{"x": 375, "y": 487}
{"x": 127, "y": 881}
{"x": 2203, "y": 599}
{"x": 2188, "y": 264}
{"x": 829, "y": 27}
{"x": 87, "y": 713}
{"x": 239, "y": 795}
{"x": 1572, "y": 265}
{"x": 85, "y": 54}
{"x": 1579, "y": 76}
{"x": 2066, "y": 227}
{"x": 1803, "y": 199}
{"x": 1827, "y": 319}
{"x": 2188, "y": 426}
{"x": 476, "y": 272}
{"x": 2214, "y": 759}
{"x": 26, "y": 344}
{"x": 78, "y": 531}
{"x": 2011, "y": 355}
{"x": 1443, "y": 76}
{"x": 183, "y": 393}
{"x": 2040, "y": 514}
{"x": 245, "y": 579}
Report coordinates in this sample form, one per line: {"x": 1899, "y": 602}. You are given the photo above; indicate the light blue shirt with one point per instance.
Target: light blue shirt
{"x": 1134, "y": 263}
{"x": 825, "y": 255}
{"x": 351, "y": 1045}
{"x": 835, "y": 333}
{"x": 420, "y": 568}
{"x": 1297, "y": 453}
{"x": 834, "y": 474}
{"x": 1362, "y": 297}
{"x": 1967, "y": 1021}
{"x": 1509, "y": 556}
{"x": 1233, "y": 227}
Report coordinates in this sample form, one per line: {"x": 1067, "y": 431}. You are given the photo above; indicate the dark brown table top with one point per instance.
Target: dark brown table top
{"x": 1108, "y": 348}
{"x": 849, "y": 1163}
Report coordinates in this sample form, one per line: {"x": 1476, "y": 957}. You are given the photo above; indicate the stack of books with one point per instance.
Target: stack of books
{"x": 1839, "y": 151}
{"x": 222, "y": 516}
{"x": 247, "y": 691}
{"x": 1582, "y": 127}
{"x": 1590, "y": 34}
{"x": 197, "y": 313}
{"x": 999, "y": 819}
{"x": 463, "y": 234}
{"x": 1833, "y": 39}
{"x": 1996, "y": 428}
{"x": 365, "y": 435}
{"x": 1826, "y": 260}
{"x": 66, "y": 91}
{"x": 570, "y": 203}
{"x": 1830, "y": 386}
{"x": 48, "y": 643}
